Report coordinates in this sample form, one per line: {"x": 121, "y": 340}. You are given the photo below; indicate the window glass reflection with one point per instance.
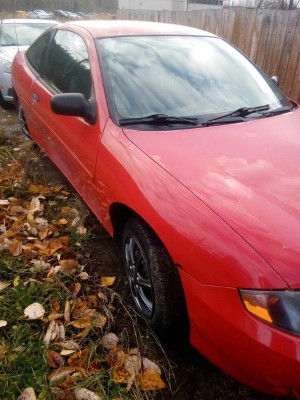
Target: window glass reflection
{"x": 182, "y": 76}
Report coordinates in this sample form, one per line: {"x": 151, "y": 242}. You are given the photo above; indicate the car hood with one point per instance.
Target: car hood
{"x": 9, "y": 52}
{"x": 248, "y": 173}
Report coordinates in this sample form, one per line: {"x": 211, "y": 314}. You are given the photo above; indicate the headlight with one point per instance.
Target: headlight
{"x": 6, "y": 66}
{"x": 278, "y": 307}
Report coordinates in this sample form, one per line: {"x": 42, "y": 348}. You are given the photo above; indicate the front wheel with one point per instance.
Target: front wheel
{"x": 153, "y": 277}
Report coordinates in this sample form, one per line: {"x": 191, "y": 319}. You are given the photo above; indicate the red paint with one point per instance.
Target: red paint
{"x": 224, "y": 200}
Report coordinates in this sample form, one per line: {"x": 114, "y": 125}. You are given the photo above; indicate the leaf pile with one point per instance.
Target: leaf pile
{"x": 55, "y": 336}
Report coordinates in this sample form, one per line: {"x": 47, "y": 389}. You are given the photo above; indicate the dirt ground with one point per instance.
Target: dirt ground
{"x": 194, "y": 378}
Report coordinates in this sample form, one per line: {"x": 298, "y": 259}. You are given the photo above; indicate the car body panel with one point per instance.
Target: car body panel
{"x": 243, "y": 176}
{"x": 220, "y": 198}
{"x": 209, "y": 249}
{"x": 238, "y": 343}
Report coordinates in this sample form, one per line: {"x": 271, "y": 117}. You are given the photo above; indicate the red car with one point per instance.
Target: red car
{"x": 185, "y": 149}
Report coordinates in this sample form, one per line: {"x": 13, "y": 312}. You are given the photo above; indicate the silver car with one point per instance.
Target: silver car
{"x": 16, "y": 35}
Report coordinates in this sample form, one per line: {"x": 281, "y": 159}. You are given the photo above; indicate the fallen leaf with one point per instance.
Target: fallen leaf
{"x": 54, "y": 316}
{"x": 79, "y": 359}
{"x": 116, "y": 356}
{"x": 83, "y": 276}
{"x": 148, "y": 364}
{"x": 55, "y": 360}
{"x": 132, "y": 365}
{"x": 16, "y": 281}
{"x": 84, "y": 394}
{"x": 68, "y": 345}
{"x": 150, "y": 380}
{"x": 55, "y": 306}
{"x": 67, "y": 312}
{"x": 98, "y": 320}
{"x": 120, "y": 374}
{"x": 68, "y": 267}
{"x": 4, "y": 202}
{"x": 61, "y": 222}
{"x": 34, "y": 311}
{"x": 102, "y": 297}
{"x": 107, "y": 280}
{"x": 75, "y": 288}
{"x": 110, "y": 341}
{"x": 2, "y": 323}
{"x": 28, "y": 394}
{"x": 51, "y": 334}
{"x": 82, "y": 323}
{"x": 67, "y": 352}
{"x": 15, "y": 248}
{"x": 3, "y": 285}
{"x": 61, "y": 373}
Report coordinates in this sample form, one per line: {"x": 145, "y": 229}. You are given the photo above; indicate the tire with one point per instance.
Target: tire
{"x": 23, "y": 123}
{"x": 5, "y": 104}
{"x": 153, "y": 278}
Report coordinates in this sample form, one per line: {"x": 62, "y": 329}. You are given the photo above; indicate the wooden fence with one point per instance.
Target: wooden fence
{"x": 271, "y": 38}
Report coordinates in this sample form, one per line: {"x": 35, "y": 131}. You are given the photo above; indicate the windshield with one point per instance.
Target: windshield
{"x": 182, "y": 76}
{"x": 21, "y": 34}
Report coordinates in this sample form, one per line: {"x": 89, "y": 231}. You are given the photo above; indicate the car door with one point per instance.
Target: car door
{"x": 70, "y": 141}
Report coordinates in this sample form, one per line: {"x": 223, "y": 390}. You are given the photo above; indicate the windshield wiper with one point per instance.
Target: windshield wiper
{"x": 277, "y": 111}
{"x": 236, "y": 116}
{"x": 159, "y": 119}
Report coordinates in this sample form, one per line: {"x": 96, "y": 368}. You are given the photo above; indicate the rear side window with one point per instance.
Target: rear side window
{"x": 67, "y": 67}
{"x": 36, "y": 51}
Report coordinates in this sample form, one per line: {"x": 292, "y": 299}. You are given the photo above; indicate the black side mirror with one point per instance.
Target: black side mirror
{"x": 74, "y": 104}
{"x": 275, "y": 79}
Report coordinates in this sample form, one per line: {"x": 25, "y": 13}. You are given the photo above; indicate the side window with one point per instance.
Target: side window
{"x": 35, "y": 52}
{"x": 67, "y": 67}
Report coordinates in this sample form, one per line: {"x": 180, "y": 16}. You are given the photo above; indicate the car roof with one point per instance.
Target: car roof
{"x": 29, "y": 21}
{"x": 108, "y": 28}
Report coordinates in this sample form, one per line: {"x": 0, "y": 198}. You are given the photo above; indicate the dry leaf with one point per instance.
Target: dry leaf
{"x": 4, "y": 202}
{"x": 120, "y": 374}
{"x": 98, "y": 320}
{"x": 3, "y": 285}
{"x": 61, "y": 373}
{"x": 68, "y": 267}
{"x": 61, "y": 222}
{"x": 79, "y": 359}
{"x": 110, "y": 341}
{"x": 107, "y": 280}
{"x": 2, "y": 323}
{"x": 54, "y": 316}
{"x": 116, "y": 356}
{"x": 150, "y": 380}
{"x": 75, "y": 288}
{"x": 51, "y": 334}
{"x": 84, "y": 394}
{"x": 102, "y": 297}
{"x": 34, "y": 311}
{"x": 67, "y": 312}
{"x": 83, "y": 276}
{"x": 55, "y": 306}
{"x": 132, "y": 365}
{"x": 82, "y": 323}
{"x": 28, "y": 394}
{"x": 67, "y": 352}
{"x": 148, "y": 364}
{"x": 69, "y": 345}
{"x": 55, "y": 360}
{"x": 15, "y": 248}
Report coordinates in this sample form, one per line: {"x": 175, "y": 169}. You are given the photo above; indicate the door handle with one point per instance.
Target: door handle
{"x": 35, "y": 97}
